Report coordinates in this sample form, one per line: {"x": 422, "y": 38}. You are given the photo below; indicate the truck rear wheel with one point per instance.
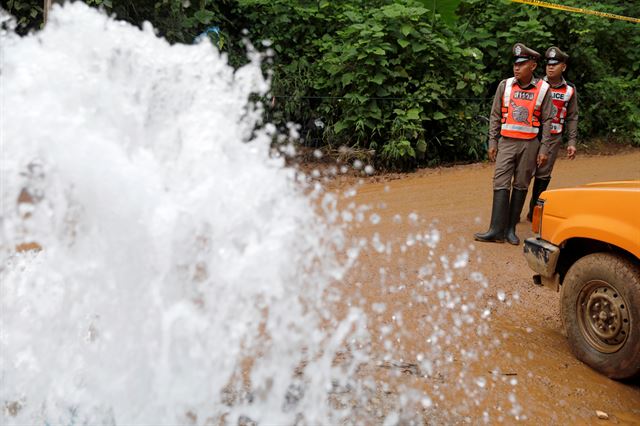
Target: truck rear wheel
{"x": 600, "y": 307}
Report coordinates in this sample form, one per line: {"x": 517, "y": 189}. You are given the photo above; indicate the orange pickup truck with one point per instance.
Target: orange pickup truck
{"x": 587, "y": 246}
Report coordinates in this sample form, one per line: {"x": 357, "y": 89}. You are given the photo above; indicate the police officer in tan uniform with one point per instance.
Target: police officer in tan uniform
{"x": 565, "y": 120}
{"x": 522, "y": 108}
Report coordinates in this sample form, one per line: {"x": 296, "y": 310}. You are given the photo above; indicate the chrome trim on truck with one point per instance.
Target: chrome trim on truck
{"x": 542, "y": 258}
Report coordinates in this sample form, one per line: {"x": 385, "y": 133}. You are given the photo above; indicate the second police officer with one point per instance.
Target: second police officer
{"x": 565, "y": 119}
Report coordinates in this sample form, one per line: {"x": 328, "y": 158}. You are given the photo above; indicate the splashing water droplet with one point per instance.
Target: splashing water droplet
{"x": 413, "y": 218}
{"x": 426, "y": 402}
{"x": 461, "y": 261}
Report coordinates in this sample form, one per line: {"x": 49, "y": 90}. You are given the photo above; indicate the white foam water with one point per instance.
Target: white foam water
{"x": 183, "y": 270}
{"x": 186, "y": 276}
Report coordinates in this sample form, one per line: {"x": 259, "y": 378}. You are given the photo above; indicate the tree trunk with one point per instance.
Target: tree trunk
{"x": 45, "y": 10}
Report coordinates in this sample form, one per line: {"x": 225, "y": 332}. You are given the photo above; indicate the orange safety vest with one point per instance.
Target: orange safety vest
{"x": 560, "y": 97}
{"x": 521, "y": 109}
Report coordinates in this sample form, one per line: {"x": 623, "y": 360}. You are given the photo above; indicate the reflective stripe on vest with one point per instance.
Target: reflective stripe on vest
{"x": 560, "y": 104}
{"x": 521, "y": 110}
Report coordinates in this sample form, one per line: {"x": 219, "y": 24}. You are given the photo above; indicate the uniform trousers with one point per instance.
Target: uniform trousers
{"x": 544, "y": 172}
{"x": 516, "y": 161}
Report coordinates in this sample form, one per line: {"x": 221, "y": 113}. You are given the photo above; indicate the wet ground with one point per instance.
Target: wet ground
{"x": 522, "y": 366}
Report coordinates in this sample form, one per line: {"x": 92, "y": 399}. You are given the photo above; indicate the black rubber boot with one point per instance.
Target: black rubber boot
{"x": 499, "y": 212}
{"x": 515, "y": 208}
{"x": 539, "y": 186}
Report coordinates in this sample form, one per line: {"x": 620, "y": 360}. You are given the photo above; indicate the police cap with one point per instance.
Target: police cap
{"x": 522, "y": 53}
{"x": 554, "y": 56}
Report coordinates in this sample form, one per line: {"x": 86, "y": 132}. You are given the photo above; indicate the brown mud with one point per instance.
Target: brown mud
{"x": 524, "y": 363}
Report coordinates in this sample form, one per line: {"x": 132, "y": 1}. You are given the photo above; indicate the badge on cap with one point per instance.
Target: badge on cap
{"x": 552, "y": 53}
{"x": 518, "y": 50}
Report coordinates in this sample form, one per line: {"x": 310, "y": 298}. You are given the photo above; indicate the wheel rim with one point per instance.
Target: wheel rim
{"x": 603, "y": 316}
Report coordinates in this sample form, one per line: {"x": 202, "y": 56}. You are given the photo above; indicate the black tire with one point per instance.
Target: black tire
{"x": 600, "y": 308}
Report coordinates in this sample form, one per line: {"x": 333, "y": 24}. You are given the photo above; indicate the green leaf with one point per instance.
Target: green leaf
{"x": 378, "y": 78}
{"x": 438, "y": 115}
{"x": 340, "y": 126}
{"x": 414, "y": 114}
{"x": 204, "y": 16}
{"x": 487, "y": 43}
{"x": 332, "y": 69}
{"x": 382, "y": 91}
{"x": 403, "y": 42}
{"x": 356, "y": 96}
{"x": 346, "y": 78}
{"x": 419, "y": 47}
{"x": 400, "y": 72}
{"x": 406, "y": 30}
{"x": 392, "y": 11}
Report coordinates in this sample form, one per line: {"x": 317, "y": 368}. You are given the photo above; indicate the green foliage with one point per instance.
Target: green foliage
{"x": 445, "y": 8}
{"x": 291, "y": 29}
{"x": 28, "y": 14}
{"x": 386, "y": 78}
{"x": 493, "y": 27}
{"x": 177, "y": 20}
{"x": 382, "y": 75}
{"x": 613, "y": 109}
{"x": 395, "y": 78}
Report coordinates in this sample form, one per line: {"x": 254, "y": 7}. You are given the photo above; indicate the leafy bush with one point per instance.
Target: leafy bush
{"x": 386, "y": 78}
{"x": 28, "y": 14}
{"x": 391, "y": 77}
{"x": 395, "y": 82}
{"x": 613, "y": 109}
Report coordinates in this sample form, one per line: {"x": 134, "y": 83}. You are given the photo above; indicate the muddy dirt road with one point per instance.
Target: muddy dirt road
{"x": 520, "y": 370}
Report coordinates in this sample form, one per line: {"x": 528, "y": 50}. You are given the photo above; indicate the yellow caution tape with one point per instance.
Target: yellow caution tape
{"x": 576, "y": 9}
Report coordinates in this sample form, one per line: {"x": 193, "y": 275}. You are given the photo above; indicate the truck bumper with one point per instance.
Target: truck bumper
{"x": 542, "y": 258}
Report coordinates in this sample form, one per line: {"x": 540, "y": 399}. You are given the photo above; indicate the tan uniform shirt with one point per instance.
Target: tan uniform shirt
{"x": 570, "y": 127}
{"x": 495, "y": 118}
